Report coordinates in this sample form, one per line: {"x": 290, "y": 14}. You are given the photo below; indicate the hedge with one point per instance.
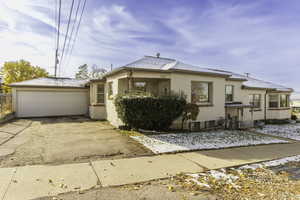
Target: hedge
{"x": 148, "y": 112}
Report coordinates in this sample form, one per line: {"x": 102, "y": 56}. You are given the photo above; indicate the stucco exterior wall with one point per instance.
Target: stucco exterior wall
{"x": 237, "y": 90}
{"x": 182, "y": 83}
{"x": 258, "y": 113}
{"x": 112, "y": 115}
{"x": 96, "y": 110}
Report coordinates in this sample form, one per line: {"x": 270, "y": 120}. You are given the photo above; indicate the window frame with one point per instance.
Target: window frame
{"x": 139, "y": 90}
{"x": 286, "y": 100}
{"x": 209, "y": 93}
{"x": 232, "y": 93}
{"x": 253, "y": 100}
{"x": 278, "y": 101}
{"x": 100, "y": 93}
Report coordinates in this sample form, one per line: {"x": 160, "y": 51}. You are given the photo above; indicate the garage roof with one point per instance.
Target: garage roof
{"x": 51, "y": 82}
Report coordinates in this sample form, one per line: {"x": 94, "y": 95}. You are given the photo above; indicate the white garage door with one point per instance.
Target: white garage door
{"x": 51, "y": 103}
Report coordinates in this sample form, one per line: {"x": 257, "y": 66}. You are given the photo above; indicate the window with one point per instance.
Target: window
{"x": 255, "y": 100}
{"x": 273, "y": 101}
{"x": 140, "y": 86}
{"x": 228, "y": 93}
{"x": 100, "y": 93}
{"x": 284, "y": 100}
{"x": 110, "y": 89}
{"x": 201, "y": 92}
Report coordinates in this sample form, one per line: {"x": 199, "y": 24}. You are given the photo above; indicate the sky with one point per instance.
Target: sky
{"x": 258, "y": 37}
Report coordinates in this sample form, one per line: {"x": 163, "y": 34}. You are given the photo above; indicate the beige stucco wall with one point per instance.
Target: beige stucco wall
{"x": 182, "y": 83}
{"x": 258, "y": 114}
{"x": 112, "y": 115}
{"x": 96, "y": 110}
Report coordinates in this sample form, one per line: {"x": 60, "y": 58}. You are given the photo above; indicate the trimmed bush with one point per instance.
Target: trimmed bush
{"x": 148, "y": 112}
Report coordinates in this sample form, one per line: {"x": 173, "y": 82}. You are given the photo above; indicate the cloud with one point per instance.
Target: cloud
{"x": 240, "y": 36}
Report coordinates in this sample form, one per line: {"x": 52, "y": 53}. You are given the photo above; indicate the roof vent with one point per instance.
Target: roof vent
{"x": 247, "y": 74}
{"x": 157, "y": 55}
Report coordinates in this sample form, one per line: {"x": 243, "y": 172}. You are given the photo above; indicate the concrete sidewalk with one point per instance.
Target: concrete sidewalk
{"x": 30, "y": 182}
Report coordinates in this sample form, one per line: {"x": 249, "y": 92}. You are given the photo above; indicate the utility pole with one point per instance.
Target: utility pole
{"x": 56, "y": 62}
{"x": 57, "y": 39}
{"x": 111, "y": 67}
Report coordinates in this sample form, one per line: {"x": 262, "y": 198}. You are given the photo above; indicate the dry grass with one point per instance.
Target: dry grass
{"x": 258, "y": 184}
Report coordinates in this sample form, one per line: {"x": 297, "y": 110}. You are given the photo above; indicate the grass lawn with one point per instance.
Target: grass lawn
{"x": 165, "y": 143}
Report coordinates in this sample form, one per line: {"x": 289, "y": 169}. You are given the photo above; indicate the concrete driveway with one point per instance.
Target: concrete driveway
{"x": 63, "y": 140}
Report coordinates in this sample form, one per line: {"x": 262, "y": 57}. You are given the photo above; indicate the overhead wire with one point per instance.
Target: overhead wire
{"x": 66, "y": 35}
{"x": 76, "y": 33}
{"x": 67, "y": 55}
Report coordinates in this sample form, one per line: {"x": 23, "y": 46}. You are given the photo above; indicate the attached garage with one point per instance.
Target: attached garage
{"x": 47, "y": 97}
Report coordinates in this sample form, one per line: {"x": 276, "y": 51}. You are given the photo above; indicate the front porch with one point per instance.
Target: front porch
{"x": 235, "y": 118}
{"x": 153, "y": 86}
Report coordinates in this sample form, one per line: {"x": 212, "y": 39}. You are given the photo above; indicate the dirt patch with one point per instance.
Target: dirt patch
{"x": 68, "y": 140}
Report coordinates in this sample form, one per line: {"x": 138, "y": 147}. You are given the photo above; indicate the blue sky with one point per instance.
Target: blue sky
{"x": 259, "y": 37}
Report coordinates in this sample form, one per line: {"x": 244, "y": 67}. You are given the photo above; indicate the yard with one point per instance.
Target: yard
{"x": 166, "y": 143}
{"x": 63, "y": 140}
{"x": 291, "y": 131}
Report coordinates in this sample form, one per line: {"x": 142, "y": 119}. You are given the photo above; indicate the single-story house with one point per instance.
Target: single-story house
{"x": 220, "y": 94}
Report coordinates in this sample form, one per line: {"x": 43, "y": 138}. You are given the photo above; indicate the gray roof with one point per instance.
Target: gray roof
{"x": 167, "y": 64}
{"x": 51, "y": 82}
{"x": 256, "y": 83}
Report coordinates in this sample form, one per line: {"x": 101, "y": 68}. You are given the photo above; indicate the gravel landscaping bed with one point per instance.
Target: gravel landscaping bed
{"x": 291, "y": 131}
{"x": 164, "y": 143}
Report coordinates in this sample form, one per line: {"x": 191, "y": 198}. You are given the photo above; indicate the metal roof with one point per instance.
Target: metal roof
{"x": 51, "y": 82}
{"x": 168, "y": 64}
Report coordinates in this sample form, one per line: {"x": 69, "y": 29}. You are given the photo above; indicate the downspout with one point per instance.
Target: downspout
{"x": 265, "y": 111}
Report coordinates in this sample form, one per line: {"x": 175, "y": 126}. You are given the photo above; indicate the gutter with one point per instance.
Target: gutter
{"x": 43, "y": 86}
{"x": 265, "y": 107}
{"x": 166, "y": 71}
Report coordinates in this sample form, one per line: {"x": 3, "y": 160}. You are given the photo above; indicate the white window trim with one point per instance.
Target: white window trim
{"x": 96, "y": 94}
{"x": 210, "y": 93}
{"x": 232, "y": 93}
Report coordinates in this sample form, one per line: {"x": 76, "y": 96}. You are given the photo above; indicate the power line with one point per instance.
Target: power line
{"x": 77, "y": 30}
{"x": 57, "y": 38}
{"x": 66, "y": 36}
{"x": 72, "y": 31}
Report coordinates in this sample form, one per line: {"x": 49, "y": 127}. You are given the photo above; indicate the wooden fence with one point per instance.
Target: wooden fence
{"x": 5, "y": 105}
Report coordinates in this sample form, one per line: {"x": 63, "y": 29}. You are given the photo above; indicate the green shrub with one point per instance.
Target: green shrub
{"x": 148, "y": 112}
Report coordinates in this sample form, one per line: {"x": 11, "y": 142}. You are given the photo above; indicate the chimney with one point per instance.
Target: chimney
{"x": 157, "y": 55}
